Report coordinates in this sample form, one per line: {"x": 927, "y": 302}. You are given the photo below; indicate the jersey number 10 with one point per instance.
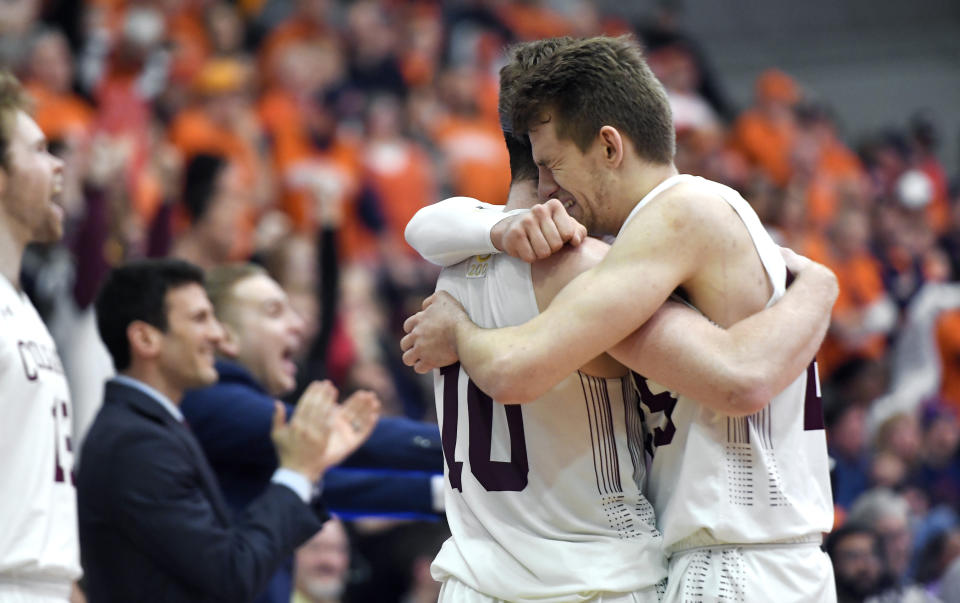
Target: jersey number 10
{"x": 494, "y": 476}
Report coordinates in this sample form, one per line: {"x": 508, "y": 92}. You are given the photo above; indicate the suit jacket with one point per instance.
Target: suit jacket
{"x": 153, "y": 522}
{"x": 388, "y": 475}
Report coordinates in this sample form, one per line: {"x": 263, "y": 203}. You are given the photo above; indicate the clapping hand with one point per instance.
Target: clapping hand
{"x": 302, "y": 442}
{"x": 321, "y": 432}
{"x": 350, "y": 425}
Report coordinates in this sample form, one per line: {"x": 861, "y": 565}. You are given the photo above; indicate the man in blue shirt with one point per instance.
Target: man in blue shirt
{"x": 397, "y": 471}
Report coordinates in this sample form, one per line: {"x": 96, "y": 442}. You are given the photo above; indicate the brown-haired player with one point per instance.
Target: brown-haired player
{"x": 39, "y": 550}
{"x": 740, "y": 488}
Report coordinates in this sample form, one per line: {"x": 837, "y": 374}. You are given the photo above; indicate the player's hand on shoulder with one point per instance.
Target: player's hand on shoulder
{"x": 430, "y": 341}
{"x": 539, "y": 233}
{"x": 798, "y": 264}
{"x": 795, "y": 262}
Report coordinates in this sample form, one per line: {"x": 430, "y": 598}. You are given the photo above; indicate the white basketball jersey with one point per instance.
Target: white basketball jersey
{"x": 38, "y": 500}
{"x": 757, "y": 479}
{"x": 544, "y": 500}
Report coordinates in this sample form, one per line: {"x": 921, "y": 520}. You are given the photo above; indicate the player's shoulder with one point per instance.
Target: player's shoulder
{"x": 691, "y": 211}
{"x": 550, "y": 275}
{"x": 693, "y": 194}
{"x": 571, "y": 261}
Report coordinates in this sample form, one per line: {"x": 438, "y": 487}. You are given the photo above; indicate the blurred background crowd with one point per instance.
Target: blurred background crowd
{"x": 304, "y": 134}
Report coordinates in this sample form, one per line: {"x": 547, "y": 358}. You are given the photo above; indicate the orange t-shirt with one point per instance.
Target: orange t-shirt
{"x": 337, "y": 169}
{"x": 193, "y": 132}
{"x": 861, "y": 285}
{"x": 836, "y": 166}
{"x": 279, "y": 113}
{"x": 123, "y": 113}
{"x": 815, "y": 246}
{"x": 402, "y": 175}
{"x": 938, "y": 211}
{"x": 289, "y": 32}
{"x": 477, "y": 156}
{"x": 60, "y": 115}
{"x": 190, "y": 45}
{"x": 766, "y": 144}
{"x": 948, "y": 342}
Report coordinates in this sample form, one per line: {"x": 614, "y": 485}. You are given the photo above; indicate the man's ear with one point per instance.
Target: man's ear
{"x": 144, "y": 339}
{"x": 230, "y": 343}
{"x": 612, "y": 145}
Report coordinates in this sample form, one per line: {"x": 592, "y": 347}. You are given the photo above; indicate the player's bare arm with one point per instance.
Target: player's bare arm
{"x": 738, "y": 370}
{"x": 532, "y": 357}
{"x": 552, "y": 274}
{"x": 518, "y": 364}
{"x": 596, "y": 310}
{"x": 734, "y": 371}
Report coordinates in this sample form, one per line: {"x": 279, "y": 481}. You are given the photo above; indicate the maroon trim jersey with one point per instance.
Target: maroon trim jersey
{"x": 544, "y": 500}
{"x": 716, "y": 479}
{"x": 38, "y": 532}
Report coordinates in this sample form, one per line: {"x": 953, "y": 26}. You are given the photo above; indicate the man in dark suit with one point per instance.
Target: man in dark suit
{"x": 153, "y": 523}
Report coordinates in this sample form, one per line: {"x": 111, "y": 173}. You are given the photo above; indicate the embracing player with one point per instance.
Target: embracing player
{"x": 547, "y": 451}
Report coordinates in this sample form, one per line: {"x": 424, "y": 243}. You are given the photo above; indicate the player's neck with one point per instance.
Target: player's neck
{"x": 11, "y": 252}
{"x": 639, "y": 182}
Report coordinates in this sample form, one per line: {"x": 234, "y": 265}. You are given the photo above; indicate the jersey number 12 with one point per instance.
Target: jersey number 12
{"x": 494, "y": 476}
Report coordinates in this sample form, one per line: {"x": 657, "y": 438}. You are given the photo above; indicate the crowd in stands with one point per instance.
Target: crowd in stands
{"x": 304, "y": 134}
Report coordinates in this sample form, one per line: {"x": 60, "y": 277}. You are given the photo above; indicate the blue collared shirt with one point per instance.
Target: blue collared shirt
{"x": 291, "y": 479}
{"x": 155, "y": 395}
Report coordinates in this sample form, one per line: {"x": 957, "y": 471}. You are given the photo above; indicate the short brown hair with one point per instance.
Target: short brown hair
{"x": 220, "y": 282}
{"x": 12, "y": 100}
{"x": 521, "y": 58}
{"x": 592, "y": 82}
